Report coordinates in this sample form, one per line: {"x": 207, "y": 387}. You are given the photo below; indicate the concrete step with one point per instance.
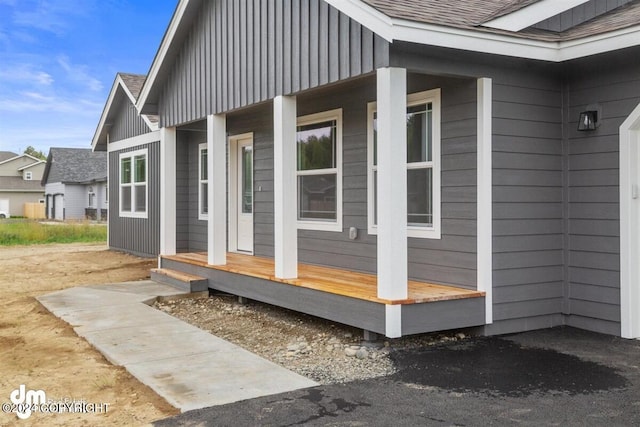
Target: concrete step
{"x": 178, "y": 279}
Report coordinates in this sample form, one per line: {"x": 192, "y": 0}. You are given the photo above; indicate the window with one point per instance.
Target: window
{"x": 92, "y": 198}
{"x": 203, "y": 195}
{"x": 28, "y": 175}
{"x": 319, "y": 171}
{"x": 133, "y": 184}
{"x": 423, "y": 165}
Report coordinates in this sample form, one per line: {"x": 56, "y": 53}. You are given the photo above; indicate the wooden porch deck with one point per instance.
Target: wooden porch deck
{"x": 331, "y": 280}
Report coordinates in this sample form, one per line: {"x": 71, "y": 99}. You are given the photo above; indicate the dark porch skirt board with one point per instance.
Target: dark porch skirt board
{"x": 367, "y": 315}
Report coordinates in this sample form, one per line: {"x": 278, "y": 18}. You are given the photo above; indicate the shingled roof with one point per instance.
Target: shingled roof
{"x": 75, "y": 166}
{"x": 6, "y": 155}
{"x": 133, "y": 82}
{"x": 472, "y": 14}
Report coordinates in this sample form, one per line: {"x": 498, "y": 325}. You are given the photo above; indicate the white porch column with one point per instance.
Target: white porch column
{"x": 168, "y": 191}
{"x": 217, "y": 188}
{"x": 285, "y": 187}
{"x": 485, "y": 202}
{"x": 392, "y": 183}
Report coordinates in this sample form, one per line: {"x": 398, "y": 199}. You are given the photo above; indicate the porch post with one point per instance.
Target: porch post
{"x": 216, "y": 189}
{"x": 392, "y": 183}
{"x": 485, "y": 215}
{"x": 284, "y": 187}
{"x": 168, "y": 191}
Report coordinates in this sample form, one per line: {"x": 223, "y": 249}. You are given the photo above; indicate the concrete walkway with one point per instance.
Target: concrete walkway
{"x": 187, "y": 366}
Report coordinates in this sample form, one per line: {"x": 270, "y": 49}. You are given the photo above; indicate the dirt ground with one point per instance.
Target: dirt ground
{"x": 43, "y": 353}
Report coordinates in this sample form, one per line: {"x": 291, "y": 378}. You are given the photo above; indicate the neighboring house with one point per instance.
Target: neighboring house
{"x": 20, "y": 176}
{"x": 339, "y": 157}
{"x": 75, "y": 181}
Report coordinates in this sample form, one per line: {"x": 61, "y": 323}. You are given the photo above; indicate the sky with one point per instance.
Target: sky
{"x": 58, "y": 62}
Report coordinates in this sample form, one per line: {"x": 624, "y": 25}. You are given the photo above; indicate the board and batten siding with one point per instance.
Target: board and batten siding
{"x": 139, "y": 236}
{"x": 611, "y": 85}
{"x": 240, "y": 53}
{"x": 127, "y": 122}
{"x": 579, "y": 14}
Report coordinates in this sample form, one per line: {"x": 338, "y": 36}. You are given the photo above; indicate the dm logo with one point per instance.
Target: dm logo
{"x": 25, "y": 400}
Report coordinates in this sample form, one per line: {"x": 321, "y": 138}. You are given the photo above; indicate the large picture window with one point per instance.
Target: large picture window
{"x": 423, "y": 165}
{"x": 203, "y": 183}
{"x": 319, "y": 171}
{"x": 133, "y": 184}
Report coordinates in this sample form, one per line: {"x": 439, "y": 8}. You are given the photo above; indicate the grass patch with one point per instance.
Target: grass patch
{"x": 33, "y": 232}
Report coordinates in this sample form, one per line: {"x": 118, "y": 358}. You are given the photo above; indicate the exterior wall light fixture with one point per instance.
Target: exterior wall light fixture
{"x": 588, "y": 120}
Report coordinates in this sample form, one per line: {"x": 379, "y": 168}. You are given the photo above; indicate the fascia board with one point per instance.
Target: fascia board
{"x": 367, "y": 16}
{"x": 476, "y": 41}
{"x": 105, "y": 112}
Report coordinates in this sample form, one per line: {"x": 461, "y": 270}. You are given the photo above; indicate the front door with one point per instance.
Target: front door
{"x": 243, "y": 194}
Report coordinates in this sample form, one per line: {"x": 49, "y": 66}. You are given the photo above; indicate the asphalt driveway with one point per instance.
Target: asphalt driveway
{"x": 560, "y": 376}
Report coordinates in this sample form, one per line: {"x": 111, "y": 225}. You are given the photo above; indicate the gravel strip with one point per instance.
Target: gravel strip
{"x": 324, "y": 351}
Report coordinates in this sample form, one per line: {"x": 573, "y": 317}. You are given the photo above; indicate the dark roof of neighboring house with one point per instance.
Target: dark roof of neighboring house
{"x": 17, "y": 183}
{"x": 75, "y": 166}
{"x": 472, "y": 14}
{"x": 6, "y": 155}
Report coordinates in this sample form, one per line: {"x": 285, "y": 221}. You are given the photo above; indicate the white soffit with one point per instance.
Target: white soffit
{"x": 532, "y": 14}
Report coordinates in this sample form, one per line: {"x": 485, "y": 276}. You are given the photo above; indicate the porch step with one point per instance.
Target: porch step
{"x": 183, "y": 281}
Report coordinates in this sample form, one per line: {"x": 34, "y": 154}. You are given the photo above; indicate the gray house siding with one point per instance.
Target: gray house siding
{"x": 527, "y": 194}
{"x": 128, "y": 123}
{"x": 611, "y": 85}
{"x": 527, "y": 202}
{"x": 140, "y": 236}
{"x": 191, "y": 232}
{"x": 450, "y": 260}
{"x": 240, "y": 53}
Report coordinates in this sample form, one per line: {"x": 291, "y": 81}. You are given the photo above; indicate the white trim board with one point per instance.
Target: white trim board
{"x": 629, "y": 227}
{"x": 105, "y": 112}
{"x": 147, "y": 138}
{"x": 485, "y": 200}
{"x": 532, "y": 14}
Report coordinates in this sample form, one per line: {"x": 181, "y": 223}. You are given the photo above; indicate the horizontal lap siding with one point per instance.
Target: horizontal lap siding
{"x": 527, "y": 202}
{"x": 127, "y": 123}
{"x": 191, "y": 232}
{"x": 450, "y": 260}
{"x": 243, "y": 52}
{"x": 136, "y": 235}
{"x": 613, "y": 85}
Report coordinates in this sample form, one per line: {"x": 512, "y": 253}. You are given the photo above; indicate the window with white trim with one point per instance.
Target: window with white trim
{"x": 133, "y": 184}
{"x": 423, "y": 165}
{"x": 319, "y": 171}
{"x": 28, "y": 175}
{"x": 203, "y": 183}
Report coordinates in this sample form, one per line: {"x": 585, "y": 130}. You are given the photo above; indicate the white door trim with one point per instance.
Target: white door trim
{"x": 233, "y": 189}
{"x": 629, "y": 227}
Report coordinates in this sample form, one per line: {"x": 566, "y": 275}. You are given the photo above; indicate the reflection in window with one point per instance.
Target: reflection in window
{"x": 133, "y": 183}
{"x": 317, "y": 172}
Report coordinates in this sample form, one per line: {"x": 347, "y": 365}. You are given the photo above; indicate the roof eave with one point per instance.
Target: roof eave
{"x": 163, "y": 50}
{"x": 484, "y": 40}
